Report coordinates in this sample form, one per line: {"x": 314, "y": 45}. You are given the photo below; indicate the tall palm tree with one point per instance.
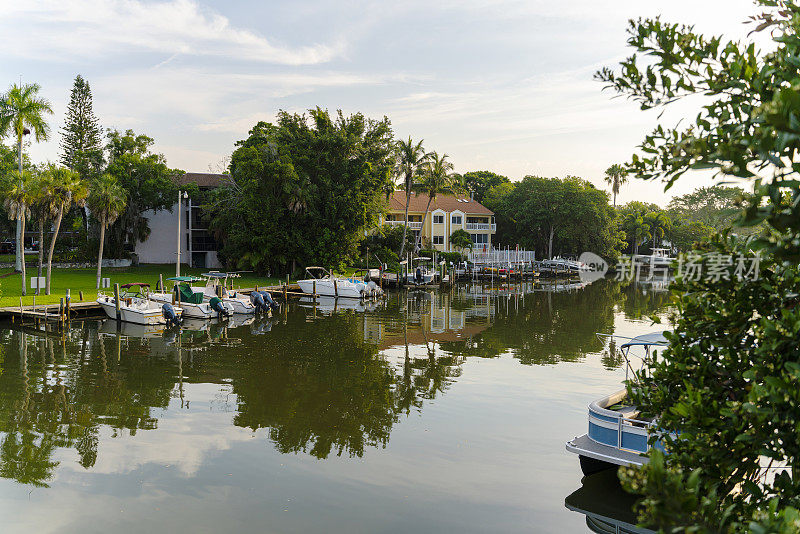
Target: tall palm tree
{"x": 616, "y": 176}
{"x": 107, "y": 200}
{"x": 410, "y": 157}
{"x": 16, "y": 197}
{"x": 41, "y": 203}
{"x": 23, "y": 111}
{"x": 637, "y": 229}
{"x": 66, "y": 187}
{"x": 437, "y": 177}
{"x": 659, "y": 224}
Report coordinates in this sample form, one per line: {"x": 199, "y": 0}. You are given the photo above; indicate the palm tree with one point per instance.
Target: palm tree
{"x": 66, "y": 187}
{"x": 659, "y": 224}
{"x": 616, "y": 176}
{"x": 410, "y": 157}
{"x": 41, "y": 203}
{"x": 107, "y": 200}
{"x": 16, "y": 197}
{"x": 22, "y": 111}
{"x": 637, "y": 229}
{"x": 436, "y": 177}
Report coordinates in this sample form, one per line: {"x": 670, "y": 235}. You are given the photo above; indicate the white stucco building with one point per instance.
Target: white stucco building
{"x": 198, "y": 248}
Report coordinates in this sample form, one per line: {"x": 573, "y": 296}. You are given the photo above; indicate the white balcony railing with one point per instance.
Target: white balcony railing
{"x": 481, "y": 226}
{"x": 411, "y": 224}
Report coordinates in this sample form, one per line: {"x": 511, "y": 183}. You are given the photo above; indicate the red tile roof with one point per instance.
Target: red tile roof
{"x": 447, "y": 203}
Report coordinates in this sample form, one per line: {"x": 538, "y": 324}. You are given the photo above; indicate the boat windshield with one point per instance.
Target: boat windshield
{"x": 317, "y": 273}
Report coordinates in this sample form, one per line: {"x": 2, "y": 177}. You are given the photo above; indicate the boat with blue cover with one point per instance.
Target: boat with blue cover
{"x": 618, "y": 434}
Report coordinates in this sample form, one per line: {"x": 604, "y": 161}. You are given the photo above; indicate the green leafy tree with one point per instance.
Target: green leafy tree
{"x": 81, "y": 136}
{"x": 685, "y": 234}
{"x": 410, "y": 157}
{"x": 303, "y": 190}
{"x": 436, "y": 178}
{"x": 65, "y": 187}
{"x": 461, "y": 239}
{"x": 549, "y": 215}
{"x": 727, "y": 382}
{"x": 22, "y": 111}
{"x": 16, "y": 200}
{"x": 478, "y": 183}
{"x": 107, "y": 200}
{"x": 149, "y": 184}
{"x": 616, "y": 176}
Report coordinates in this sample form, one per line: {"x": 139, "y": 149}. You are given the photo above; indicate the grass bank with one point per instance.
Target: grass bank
{"x": 84, "y": 280}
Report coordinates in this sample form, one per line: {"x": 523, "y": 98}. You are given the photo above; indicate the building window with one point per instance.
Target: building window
{"x": 438, "y": 240}
{"x": 438, "y": 219}
{"x": 480, "y": 239}
{"x": 456, "y": 219}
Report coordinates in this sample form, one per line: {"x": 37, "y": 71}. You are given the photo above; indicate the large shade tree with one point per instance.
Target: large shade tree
{"x": 303, "y": 190}
{"x": 23, "y": 111}
{"x": 107, "y": 199}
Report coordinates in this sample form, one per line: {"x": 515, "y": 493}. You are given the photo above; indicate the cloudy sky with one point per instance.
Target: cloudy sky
{"x": 503, "y": 85}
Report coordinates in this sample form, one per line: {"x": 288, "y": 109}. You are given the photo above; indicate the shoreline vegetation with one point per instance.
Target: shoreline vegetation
{"x": 84, "y": 280}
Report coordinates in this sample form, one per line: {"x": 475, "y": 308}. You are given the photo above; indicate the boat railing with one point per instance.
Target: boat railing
{"x": 613, "y": 428}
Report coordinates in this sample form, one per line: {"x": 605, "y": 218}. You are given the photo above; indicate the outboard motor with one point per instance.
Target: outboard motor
{"x": 418, "y": 276}
{"x": 268, "y": 299}
{"x": 374, "y": 288}
{"x": 257, "y": 300}
{"x": 168, "y": 312}
{"x": 217, "y": 305}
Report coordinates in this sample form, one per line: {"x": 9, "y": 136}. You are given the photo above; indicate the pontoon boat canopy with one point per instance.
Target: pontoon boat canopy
{"x": 653, "y": 338}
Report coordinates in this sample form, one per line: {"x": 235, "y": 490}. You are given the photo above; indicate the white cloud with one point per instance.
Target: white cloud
{"x": 65, "y": 29}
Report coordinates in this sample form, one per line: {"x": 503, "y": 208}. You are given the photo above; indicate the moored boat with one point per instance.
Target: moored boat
{"x": 216, "y": 286}
{"x": 192, "y": 302}
{"x": 321, "y": 282}
{"x": 135, "y": 306}
{"x": 617, "y": 434}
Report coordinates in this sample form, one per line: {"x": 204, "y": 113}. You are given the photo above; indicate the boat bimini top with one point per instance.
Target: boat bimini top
{"x": 185, "y": 279}
{"x": 646, "y": 341}
{"x": 318, "y": 273}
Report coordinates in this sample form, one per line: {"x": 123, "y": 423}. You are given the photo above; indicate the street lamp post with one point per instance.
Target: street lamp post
{"x": 181, "y": 194}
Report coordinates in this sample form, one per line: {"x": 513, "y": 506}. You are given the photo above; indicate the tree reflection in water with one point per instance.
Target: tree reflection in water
{"x": 319, "y": 383}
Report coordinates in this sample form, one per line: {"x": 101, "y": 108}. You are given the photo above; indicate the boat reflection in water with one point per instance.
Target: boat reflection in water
{"x": 110, "y": 326}
{"x": 608, "y": 508}
{"x": 296, "y": 412}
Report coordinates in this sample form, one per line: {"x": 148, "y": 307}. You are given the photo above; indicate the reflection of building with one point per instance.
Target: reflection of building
{"x": 446, "y": 214}
{"x": 198, "y": 247}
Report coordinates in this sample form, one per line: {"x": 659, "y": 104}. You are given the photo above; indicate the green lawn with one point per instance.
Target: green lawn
{"x": 84, "y": 280}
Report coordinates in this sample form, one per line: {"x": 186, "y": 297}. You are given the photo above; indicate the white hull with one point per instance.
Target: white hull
{"x": 145, "y": 316}
{"x": 238, "y": 304}
{"x": 427, "y": 278}
{"x": 194, "y": 311}
{"x": 325, "y": 287}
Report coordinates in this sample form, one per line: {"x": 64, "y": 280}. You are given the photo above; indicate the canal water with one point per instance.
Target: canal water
{"x": 429, "y": 412}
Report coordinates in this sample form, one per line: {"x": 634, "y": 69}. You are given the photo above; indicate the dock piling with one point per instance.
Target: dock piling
{"x": 116, "y": 302}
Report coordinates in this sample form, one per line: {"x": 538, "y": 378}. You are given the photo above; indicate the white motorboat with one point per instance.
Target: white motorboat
{"x": 421, "y": 274}
{"x": 216, "y": 286}
{"x": 192, "y": 302}
{"x": 135, "y": 306}
{"x": 658, "y": 259}
{"x": 321, "y": 282}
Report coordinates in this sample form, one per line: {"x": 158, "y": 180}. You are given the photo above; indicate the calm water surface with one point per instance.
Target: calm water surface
{"x": 431, "y": 412}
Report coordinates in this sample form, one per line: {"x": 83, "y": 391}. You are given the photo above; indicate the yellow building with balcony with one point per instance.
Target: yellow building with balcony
{"x": 446, "y": 214}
